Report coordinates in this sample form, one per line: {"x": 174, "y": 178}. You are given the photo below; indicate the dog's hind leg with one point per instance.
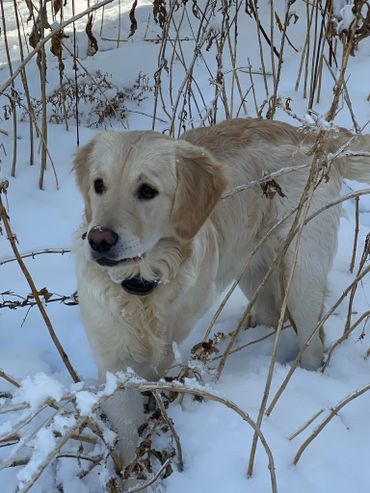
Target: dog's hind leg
{"x": 305, "y": 304}
{"x": 308, "y": 287}
{"x": 307, "y": 291}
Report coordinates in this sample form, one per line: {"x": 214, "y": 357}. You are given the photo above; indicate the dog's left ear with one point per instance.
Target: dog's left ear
{"x": 201, "y": 180}
{"x": 81, "y": 167}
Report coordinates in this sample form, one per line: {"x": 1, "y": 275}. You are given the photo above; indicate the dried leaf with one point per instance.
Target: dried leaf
{"x": 34, "y": 38}
{"x": 278, "y": 22}
{"x": 4, "y": 185}
{"x": 43, "y": 17}
{"x": 270, "y": 188}
{"x": 30, "y": 9}
{"x": 57, "y": 5}
{"x": 133, "y": 20}
{"x": 293, "y": 16}
{"x": 92, "y": 46}
{"x": 195, "y": 9}
{"x": 56, "y": 43}
{"x": 45, "y": 293}
{"x": 211, "y": 36}
{"x": 160, "y": 12}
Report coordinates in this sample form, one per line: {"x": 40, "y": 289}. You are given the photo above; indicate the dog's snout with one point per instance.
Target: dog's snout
{"x": 102, "y": 239}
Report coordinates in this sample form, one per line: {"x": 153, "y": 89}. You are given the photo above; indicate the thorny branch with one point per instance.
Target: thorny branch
{"x": 13, "y": 242}
{"x": 17, "y": 301}
{"x": 35, "y": 253}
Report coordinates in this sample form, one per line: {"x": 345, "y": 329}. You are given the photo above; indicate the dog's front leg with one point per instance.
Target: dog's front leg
{"x": 125, "y": 411}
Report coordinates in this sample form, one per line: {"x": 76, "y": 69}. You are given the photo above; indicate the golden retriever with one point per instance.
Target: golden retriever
{"x": 160, "y": 242}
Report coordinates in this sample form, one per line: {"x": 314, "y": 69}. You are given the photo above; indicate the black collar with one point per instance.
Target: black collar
{"x": 139, "y": 286}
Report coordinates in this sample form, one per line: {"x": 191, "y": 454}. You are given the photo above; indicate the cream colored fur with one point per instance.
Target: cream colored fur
{"x": 196, "y": 242}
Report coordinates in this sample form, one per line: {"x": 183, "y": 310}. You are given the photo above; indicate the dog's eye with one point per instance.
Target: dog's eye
{"x": 99, "y": 186}
{"x": 146, "y": 192}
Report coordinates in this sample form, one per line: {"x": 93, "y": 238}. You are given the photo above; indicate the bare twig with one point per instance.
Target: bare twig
{"x": 315, "y": 331}
{"x": 306, "y": 425}
{"x": 27, "y": 485}
{"x": 47, "y": 38}
{"x": 365, "y": 316}
{"x": 152, "y": 480}
{"x": 333, "y": 413}
{"x": 9, "y": 379}
{"x": 35, "y": 253}
{"x": 357, "y": 229}
{"x": 27, "y": 275}
{"x": 169, "y": 423}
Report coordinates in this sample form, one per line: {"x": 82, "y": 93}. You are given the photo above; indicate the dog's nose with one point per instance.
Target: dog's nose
{"x": 102, "y": 239}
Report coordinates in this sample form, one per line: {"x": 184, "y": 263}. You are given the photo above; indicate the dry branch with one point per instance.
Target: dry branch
{"x": 295, "y": 231}
{"x": 334, "y": 412}
{"x": 148, "y": 483}
{"x": 29, "y": 300}
{"x": 9, "y": 379}
{"x": 35, "y": 253}
{"x": 365, "y": 316}
{"x": 93, "y": 421}
{"x": 306, "y": 425}
{"x": 47, "y": 38}
{"x": 27, "y": 485}
{"x": 169, "y": 423}
{"x": 315, "y": 331}
{"x": 12, "y": 240}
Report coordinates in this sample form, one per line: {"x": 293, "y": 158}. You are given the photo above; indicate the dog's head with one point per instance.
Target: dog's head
{"x": 146, "y": 197}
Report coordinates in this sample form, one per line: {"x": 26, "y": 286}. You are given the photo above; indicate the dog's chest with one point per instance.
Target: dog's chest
{"x": 127, "y": 330}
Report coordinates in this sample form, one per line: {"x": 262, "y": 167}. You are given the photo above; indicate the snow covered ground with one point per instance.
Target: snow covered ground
{"x": 215, "y": 441}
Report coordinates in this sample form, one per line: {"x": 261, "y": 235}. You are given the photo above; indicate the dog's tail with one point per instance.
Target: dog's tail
{"x": 356, "y": 163}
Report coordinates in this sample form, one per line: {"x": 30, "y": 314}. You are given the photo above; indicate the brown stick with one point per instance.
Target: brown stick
{"x": 363, "y": 260}
{"x": 12, "y": 239}
{"x": 34, "y": 254}
{"x": 340, "y": 81}
{"x": 47, "y": 38}
{"x": 169, "y": 423}
{"x": 8, "y": 379}
{"x": 302, "y": 212}
{"x": 317, "y": 328}
{"x": 306, "y": 425}
{"x": 12, "y": 98}
{"x": 344, "y": 337}
{"x": 322, "y": 425}
{"x": 357, "y": 229}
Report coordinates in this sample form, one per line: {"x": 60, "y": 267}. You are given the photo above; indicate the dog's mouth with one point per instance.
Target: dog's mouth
{"x": 107, "y": 262}
{"x": 134, "y": 285}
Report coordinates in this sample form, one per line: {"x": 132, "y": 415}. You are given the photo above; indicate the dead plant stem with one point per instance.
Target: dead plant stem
{"x": 12, "y": 240}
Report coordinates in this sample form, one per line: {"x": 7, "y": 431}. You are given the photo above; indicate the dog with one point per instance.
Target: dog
{"x": 162, "y": 237}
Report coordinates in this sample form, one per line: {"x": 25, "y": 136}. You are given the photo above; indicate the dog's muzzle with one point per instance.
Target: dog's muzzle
{"x": 135, "y": 285}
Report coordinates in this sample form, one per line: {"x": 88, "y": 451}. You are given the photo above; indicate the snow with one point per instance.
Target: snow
{"x": 43, "y": 444}
{"x": 62, "y": 423}
{"x": 36, "y": 389}
{"x": 85, "y": 401}
{"x": 215, "y": 440}
{"x": 347, "y": 16}
{"x": 111, "y": 382}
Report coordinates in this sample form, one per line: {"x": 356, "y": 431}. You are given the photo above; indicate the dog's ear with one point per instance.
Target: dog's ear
{"x": 200, "y": 183}
{"x": 81, "y": 166}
